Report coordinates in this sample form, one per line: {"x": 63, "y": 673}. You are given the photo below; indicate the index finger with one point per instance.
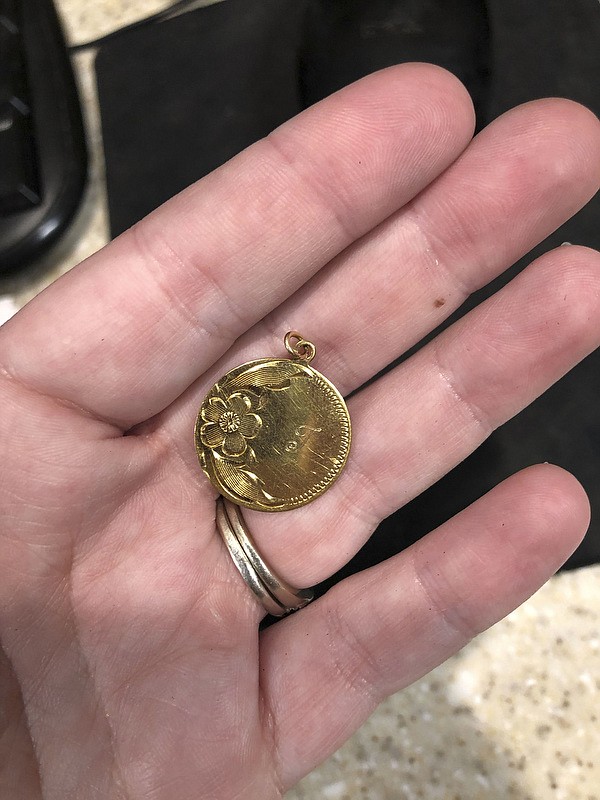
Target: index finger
{"x": 125, "y": 333}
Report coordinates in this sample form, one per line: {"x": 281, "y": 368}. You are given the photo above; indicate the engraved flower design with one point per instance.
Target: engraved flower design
{"x": 228, "y": 424}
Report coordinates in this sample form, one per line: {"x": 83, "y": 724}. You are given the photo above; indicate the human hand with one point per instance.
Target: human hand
{"x": 133, "y": 666}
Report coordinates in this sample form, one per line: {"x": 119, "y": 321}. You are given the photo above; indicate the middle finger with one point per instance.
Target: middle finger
{"x": 519, "y": 179}
{"x": 516, "y": 182}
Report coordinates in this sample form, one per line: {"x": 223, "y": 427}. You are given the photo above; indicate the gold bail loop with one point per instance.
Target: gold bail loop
{"x": 300, "y": 348}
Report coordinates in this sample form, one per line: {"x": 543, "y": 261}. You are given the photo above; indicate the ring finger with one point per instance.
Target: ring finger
{"x": 425, "y": 416}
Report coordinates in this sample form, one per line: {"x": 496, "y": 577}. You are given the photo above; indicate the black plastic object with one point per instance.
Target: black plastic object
{"x": 19, "y": 188}
{"x": 202, "y": 86}
{"x": 43, "y": 158}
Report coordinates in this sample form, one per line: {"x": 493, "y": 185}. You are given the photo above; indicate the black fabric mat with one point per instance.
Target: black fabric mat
{"x": 180, "y": 98}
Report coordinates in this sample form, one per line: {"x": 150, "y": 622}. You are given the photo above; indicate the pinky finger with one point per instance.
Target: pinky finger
{"x": 325, "y": 669}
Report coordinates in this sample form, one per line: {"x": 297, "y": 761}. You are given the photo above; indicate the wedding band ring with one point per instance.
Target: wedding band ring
{"x": 277, "y": 597}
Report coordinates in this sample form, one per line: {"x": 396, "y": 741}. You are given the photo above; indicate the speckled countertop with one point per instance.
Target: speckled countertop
{"x": 516, "y": 713}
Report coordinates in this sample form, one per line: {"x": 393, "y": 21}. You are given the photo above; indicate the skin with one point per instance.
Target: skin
{"x": 132, "y": 666}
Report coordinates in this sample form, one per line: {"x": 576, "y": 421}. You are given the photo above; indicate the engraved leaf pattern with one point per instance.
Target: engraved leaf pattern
{"x": 241, "y": 481}
{"x": 267, "y": 376}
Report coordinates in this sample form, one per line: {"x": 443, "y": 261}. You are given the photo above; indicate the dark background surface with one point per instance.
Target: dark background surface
{"x": 181, "y": 97}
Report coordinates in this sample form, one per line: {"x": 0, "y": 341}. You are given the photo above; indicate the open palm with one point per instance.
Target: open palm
{"x": 132, "y": 665}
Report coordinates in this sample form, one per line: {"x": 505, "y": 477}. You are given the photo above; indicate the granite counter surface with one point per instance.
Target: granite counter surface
{"x": 516, "y": 713}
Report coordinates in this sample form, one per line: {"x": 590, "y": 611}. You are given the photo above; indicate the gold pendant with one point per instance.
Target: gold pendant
{"x": 274, "y": 434}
